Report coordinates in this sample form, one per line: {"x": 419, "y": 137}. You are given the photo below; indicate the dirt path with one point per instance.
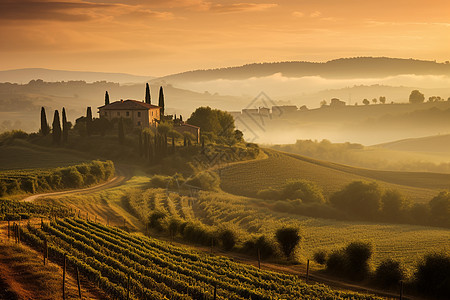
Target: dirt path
{"x": 122, "y": 175}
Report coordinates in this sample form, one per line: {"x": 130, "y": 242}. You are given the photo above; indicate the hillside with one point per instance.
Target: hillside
{"x": 28, "y": 74}
{"x": 248, "y": 178}
{"x": 357, "y": 67}
{"x": 431, "y": 144}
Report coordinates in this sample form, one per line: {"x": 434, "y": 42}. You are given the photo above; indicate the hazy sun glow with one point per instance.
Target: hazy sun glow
{"x": 162, "y": 37}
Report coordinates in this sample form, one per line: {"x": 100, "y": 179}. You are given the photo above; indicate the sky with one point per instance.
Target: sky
{"x": 161, "y": 37}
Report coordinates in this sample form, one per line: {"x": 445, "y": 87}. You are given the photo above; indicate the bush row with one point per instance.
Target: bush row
{"x": 60, "y": 178}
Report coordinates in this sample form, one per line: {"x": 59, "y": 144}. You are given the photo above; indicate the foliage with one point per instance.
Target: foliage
{"x": 306, "y": 191}
{"x": 416, "y": 97}
{"x": 359, "y": 199}
{"x": 215, "y": 121}
{"x": 205, "y": 180}
{"x": 288, "y": 238}
{"x": 56, "y": 128}
{"x": 440, "y": 209}
{"x": 40, "y": 180}
{"x": 433, "y": 275}
{"x": 320, "y": 257}
{"x": 389, "y": 273}
{"x": 228, "y": 239}
{"x": 351, "y": 261}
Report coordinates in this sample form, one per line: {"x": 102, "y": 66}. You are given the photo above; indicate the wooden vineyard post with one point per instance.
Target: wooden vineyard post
{"x": 64, "y": 278}
{"x": 259, "y": 259}
{"x": 307, "y": 271}
{"x": 78, "y": 283}
{"x": 8, "y": 230}
{"x": 401, "y": 289}
{"x": 215, "y": 291}
{"x": 42, "y": 223}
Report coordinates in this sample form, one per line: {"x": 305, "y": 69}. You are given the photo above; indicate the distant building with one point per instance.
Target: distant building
{"x": 335, "y": 102}
{"x": 264, "y": 112}
{"x": 140, "y": 113}
{"x": 183, "y": 127}
{"x": 280, "y": 110}
{"x": 250, "y": 112}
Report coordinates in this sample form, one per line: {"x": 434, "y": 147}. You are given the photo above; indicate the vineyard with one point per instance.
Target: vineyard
{"x": 208, "y": 212}
{"x": 119, "y": 262}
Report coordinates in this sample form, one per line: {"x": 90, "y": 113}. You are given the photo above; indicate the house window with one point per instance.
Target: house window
{"x": 128, "y": 113}
{"x": 139, "y": 114}
{"x": 118, "y": 113}
{"x": 139, "y": 123}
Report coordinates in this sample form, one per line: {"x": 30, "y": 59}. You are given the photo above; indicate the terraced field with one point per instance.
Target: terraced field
{"x": 119, "y": 262}
{"x": 248, "y": 178}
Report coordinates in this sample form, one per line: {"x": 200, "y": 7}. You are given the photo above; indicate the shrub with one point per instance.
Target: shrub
{"x": 205, "y": 181}
{"x": 228, "y": 239}
{"x": 155, "y": 220}
{"x": 307, "y": 191}
{"x": 320, "y": 257}
{"x": 359, "y": 199}
{"x": 269, "y": 194}
{"x": 70, "y": 177}
{"x": 288, "y": 238}
{"x": 433, "y": 275}
{"x": 173, "y": 227}
{"x": 337, "y": 262}
{"x": 159, "y": 181}
{"x": 358, "y": 255}
{"x": 389, "y": 273}
{"x": 265, "y": 246}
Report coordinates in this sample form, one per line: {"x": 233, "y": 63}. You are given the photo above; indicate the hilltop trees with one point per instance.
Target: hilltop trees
{"x": 215, "y": 121}
{"x": 161, "y": 100}
{"x": 416, "y": 97}
{"x": 366, "y": 102}
{"x": 45, "y": 129}
{"x": 148, "y": 98}
{"x": 89, "y": 121}
{"x": 56, "y": 128}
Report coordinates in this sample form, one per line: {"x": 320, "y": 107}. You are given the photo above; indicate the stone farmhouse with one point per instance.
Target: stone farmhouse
{"x": 142, "y": 115}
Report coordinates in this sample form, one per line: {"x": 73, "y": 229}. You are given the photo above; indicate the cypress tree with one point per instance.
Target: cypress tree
{"x": 65, "y": 126}
{"x": 181, "y": 118}
{"x": 121, "y": 132}
{"x": 45, "y": 129}
{"x": 148, "y": 98}
{"x": 56, "y": 128}
{"x": 161, "y": 101}
{"x": 106, "y": 98}
{"x": 89, "y": 121}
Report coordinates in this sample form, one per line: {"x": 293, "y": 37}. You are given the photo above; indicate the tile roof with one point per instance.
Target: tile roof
{"x": 128, "y": 104}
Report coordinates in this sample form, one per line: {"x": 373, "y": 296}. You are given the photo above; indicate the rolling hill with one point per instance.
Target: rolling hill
{"x": 248, "y": 178}
{"x": 357, "y": 67}
{"x": 430, "y": 144}
{"x": 28, "y": 74}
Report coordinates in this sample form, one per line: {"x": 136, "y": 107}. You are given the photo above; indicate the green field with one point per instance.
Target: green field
{"x": 250, "y": 177}
{"x": 20, "y": 154}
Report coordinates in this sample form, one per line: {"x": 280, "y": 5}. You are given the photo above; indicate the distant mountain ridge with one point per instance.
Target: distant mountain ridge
{"x": 28, "y": 74}
{"x": 357, "y": 67}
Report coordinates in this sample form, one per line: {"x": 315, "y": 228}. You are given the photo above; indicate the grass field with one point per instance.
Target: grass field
{"x": 23, "y": 155}
{"x": 250, "y": 177}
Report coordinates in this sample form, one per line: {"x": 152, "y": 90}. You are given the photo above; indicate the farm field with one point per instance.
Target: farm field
{"x": 251, "y": 218}
{"x": 158, "y": 270}
{"x": 250, "y": 177}
{"x": 20, "y": 154}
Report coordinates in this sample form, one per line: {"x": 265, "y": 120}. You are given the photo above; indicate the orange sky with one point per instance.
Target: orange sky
{"x": 161, "y": 37}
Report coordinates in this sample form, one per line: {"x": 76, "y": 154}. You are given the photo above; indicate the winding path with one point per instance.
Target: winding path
{"x": 122, "y": 175}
